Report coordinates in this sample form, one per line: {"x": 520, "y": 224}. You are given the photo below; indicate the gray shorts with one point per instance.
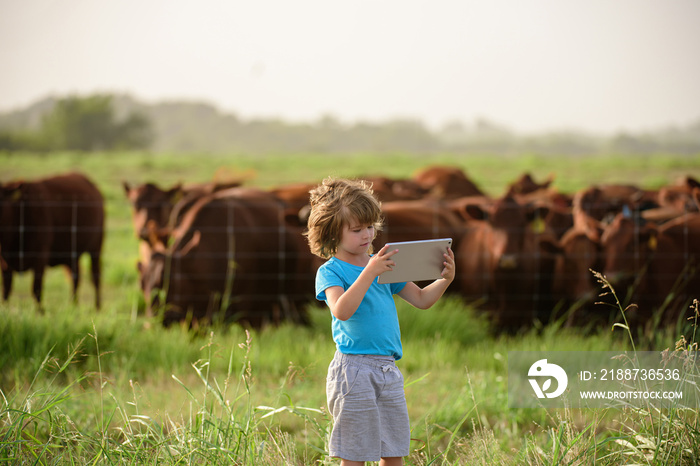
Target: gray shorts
{"x": 366, "y": 399}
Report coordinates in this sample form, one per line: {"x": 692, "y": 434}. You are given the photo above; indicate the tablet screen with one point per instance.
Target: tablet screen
{"x": 417, "y": 260}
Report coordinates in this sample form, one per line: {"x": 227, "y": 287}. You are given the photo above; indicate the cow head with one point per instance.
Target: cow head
{"x": 680, "y": 196}
{"x": 581, "y": 254}
{"x": 590, "y": 202}
{"x": 510, "y": 226}
{"x": 526, "y": 184}
{"x": 154, "y": 273}
{"x": 627, "y": 243}
{"x": 446, "y": 182}
{"x": 151, "y": 277}
{"x": 152, "y": 206}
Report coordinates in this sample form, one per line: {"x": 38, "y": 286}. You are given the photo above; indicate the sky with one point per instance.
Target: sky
{"x": 531, "y": 65}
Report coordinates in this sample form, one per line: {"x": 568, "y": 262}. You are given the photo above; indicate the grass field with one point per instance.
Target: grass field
{"x": 82, "y": 387}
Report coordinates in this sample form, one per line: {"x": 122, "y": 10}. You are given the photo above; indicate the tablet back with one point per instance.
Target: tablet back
{"x": 417, "y": 260}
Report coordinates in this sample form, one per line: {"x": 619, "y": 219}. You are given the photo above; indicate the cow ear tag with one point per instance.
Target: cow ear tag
{"x": 16, "y": 195}
{"x": 653, "y": 243}
{"x": 537, "y": 226}
{"x": 626, "y": 212}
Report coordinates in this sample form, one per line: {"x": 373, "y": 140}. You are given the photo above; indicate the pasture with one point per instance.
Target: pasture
{"x": 110, "y": 387}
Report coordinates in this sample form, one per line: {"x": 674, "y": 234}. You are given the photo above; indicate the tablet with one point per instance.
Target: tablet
{"x": 417, "y": 260}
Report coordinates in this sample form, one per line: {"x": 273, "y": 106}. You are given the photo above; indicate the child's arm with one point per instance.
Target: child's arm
{"x": 343, "y": 304}
{"x": 423, "y": 298}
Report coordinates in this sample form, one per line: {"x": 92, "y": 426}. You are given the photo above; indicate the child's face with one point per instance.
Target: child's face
{"x": 356, "y": 238}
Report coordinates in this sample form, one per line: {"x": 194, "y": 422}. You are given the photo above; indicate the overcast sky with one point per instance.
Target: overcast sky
{"x": 531, "y": 65}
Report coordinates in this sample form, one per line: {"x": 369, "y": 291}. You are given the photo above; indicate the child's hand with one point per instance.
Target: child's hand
{"x": 448, "y": 273}
{"x": 381, "y": 262}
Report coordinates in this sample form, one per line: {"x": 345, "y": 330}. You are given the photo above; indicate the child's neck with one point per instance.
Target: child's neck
{"x": 360, "y": 260}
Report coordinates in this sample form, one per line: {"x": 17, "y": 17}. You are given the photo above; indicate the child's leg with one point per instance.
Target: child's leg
{"x": 351, "y": 463}
{"x": 393, "y": 461}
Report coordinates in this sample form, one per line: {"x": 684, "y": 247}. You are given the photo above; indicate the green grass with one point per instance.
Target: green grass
{"x": 112, "y": 391}
{"x": 85, "y": 387}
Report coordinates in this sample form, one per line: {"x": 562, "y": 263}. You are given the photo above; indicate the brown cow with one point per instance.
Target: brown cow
{"x": 655, "y": 267}
{"x": 674, "y": 201}
{"x": 505, "y": 259}
{"x": 232, "y": 255}
{"x": 460, "y": 205}
{"x": 526, "y": 185}
{"x": 51, "y": 222}
{"x": 559, "y": 218}
{"x": 680, "y": 195}
{"x": 389, "y": 189}
{"x": 602, "y": 203}
{"x": 150, "y": 203}
{"x": 418, "y": 220}
{"x": 296, "y": 196}
{"x": 574, "y": 286}
{"x": 446, "y": 183}
{"x": 556, "y": 220}
{"x": 152, "y": 207}
{"x": 385, "y": 189}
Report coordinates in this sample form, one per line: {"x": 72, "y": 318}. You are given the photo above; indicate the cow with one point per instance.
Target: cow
{"x": 385, "y": 189}
{"x": 558, "y": 220}
{"x": 50, "y": 222}
{"x": 554, "y": 218}
{"x": 680, "y": 195}
{"x": 653, "y": 266}
{"x": 602, "y": 202}
{"x": 419, "y": 220}
{"x": 389, "y": 189}
{"x": 526, "y": 185}
{"x": 151, "y": 204}
{"x": 574, "y": 287}
{"x": 674, "y": 201}
{"x": 296, "y": 196}
{"x": 460, "y": 205}
{"x": 153, "y": 207}
{"x": 506, "y": 261}
{"x": 442, "y": 182}
{"x": 233, "y": 256}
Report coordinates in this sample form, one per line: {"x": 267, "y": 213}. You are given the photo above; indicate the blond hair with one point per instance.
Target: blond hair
{"x": 336, "y": 203}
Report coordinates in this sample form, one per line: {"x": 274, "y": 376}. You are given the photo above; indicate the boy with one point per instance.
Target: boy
{"x": 364, "y": 387}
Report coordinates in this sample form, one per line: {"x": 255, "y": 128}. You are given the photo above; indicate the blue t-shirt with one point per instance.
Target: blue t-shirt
{"x": 374, "y": 327}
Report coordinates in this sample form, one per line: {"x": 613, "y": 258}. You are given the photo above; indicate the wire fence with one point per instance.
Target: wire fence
{"x": 509, "y": 269}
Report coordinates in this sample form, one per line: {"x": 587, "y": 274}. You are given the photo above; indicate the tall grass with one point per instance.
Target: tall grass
{"x": 631, "y": 435}
{"x": 257, "y": 398}
{"x": 219, "y": 425}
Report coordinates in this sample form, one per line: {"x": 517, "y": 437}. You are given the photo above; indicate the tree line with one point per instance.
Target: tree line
{"x": 81, "y": 124}
{"x": 104, "y": 122}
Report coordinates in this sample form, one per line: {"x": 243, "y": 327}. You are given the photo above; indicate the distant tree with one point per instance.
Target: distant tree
{"x": 89, "y": 124}
{"x": 21, "y": 140}
{"x": 8, "y": 141}
{"x": 626, "y": 143}
{"x": 134, "y": 133}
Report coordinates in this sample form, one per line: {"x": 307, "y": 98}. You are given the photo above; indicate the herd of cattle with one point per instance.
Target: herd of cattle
{"x": 237, "y": 253}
